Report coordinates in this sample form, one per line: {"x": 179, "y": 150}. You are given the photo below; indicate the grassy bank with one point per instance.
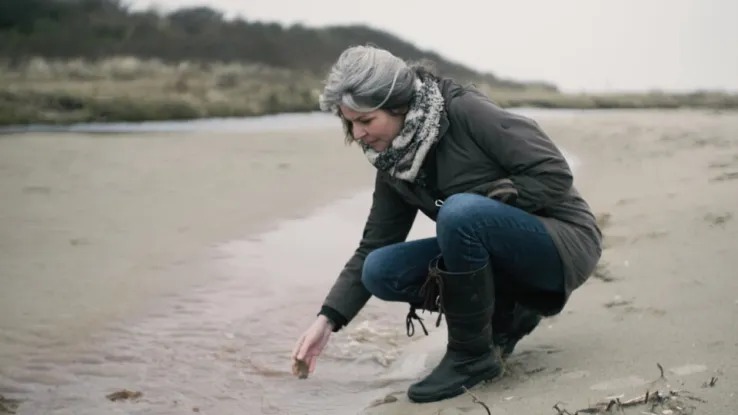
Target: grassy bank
{"x": 128, "y": 89}
{"x": 41, "y": 91}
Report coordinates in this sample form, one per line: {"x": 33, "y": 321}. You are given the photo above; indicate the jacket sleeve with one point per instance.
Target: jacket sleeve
{"x": 538, "y": 170}
{"x": 390, "y": 220}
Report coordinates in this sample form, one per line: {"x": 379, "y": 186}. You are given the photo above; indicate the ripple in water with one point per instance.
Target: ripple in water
{"x": 225, "y": 347}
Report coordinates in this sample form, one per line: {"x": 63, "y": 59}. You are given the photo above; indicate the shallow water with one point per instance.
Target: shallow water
{"x": 276, "y": 122}
{"x": 223, "y": 346}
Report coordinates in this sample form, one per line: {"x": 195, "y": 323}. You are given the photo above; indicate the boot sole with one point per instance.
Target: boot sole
{"x": 472, "y": 382}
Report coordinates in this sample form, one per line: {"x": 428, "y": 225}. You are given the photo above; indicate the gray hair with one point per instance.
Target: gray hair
{"x": 367, "y": 78}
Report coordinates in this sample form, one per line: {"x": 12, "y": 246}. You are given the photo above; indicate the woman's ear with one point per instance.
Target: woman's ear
{"x": 401, "y": 110}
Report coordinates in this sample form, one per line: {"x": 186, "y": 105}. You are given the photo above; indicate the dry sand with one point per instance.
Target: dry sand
{"x": 666, "y": 292}
{"x": 93, "y": 228}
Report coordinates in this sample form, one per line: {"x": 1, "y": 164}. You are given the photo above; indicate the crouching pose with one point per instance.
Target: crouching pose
{"x": 513, "y": 239}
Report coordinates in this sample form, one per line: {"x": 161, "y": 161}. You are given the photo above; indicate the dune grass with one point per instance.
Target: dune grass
{"x": 41, "y": 91}
{"x": 128, "y": 89}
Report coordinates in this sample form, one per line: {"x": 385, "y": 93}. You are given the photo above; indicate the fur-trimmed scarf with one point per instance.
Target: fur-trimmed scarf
{"x": 404, "y": 157}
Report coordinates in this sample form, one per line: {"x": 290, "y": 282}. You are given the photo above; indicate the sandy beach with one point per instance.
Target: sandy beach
{"x": 185, "y": 265}
{"x": 665, "y": 185}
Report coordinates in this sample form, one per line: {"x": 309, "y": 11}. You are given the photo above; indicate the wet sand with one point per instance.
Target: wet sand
{"x": 146, "y": 262}
{"x": 163, "y": 263}
{"x": 92, "y": 224}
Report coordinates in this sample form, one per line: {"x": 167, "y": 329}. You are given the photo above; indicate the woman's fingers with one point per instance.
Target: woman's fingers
{"x": 309, "y": 347}
{"x": 297, "y": 347}
{"x": 308, "y": 343}
{"x": 312, "y": 361}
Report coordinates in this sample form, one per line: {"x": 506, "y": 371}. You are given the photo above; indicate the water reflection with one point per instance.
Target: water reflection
{"x": 224, "y": 347}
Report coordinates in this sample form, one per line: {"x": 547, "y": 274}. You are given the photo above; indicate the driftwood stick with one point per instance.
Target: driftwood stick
{"x": 653, "y": 399}
{"x": 661, "y": 369}
{"x": 476, "y": 400}
{"x": 560, "y": 410}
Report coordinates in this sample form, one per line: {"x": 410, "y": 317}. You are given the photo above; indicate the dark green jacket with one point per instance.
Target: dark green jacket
{"x": 480, "y": 145}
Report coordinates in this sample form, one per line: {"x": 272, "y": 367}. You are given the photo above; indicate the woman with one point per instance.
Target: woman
{"x": 512, "y": 233}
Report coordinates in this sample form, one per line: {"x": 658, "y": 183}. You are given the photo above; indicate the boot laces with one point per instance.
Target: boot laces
{"x": 412, "y": 314}
{"x": 432, "y": 292}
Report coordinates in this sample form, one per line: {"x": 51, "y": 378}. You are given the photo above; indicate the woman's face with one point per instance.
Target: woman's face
{"x": 377, "y": 129}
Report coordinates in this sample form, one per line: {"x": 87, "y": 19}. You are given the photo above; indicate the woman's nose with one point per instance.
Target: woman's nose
{"x": 359, "y": 133}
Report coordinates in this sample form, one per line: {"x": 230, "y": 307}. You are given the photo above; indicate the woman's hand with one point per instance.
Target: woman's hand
{"x": 312, "y": 342}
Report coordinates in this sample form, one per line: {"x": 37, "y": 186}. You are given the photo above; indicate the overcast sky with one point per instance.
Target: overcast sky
{"x": 580, "y": 45}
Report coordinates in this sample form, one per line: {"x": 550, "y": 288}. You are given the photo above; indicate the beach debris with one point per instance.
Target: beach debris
{"x": 559, "y": 410}
{"x": 666, "y": 401}
{"x": 8, "y": 406}
{"x": 476, "y": 400}
{"x": 300, "y": 369}
{"x": 661, "y": 370}
{"x": 123, "y": 395}
{"x": 711, "y": 383}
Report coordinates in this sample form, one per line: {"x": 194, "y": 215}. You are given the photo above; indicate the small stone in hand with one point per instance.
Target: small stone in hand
{"x": 300, "y": 369}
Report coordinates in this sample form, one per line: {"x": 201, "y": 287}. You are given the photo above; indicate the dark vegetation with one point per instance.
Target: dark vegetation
{"x": 68, "y": 61}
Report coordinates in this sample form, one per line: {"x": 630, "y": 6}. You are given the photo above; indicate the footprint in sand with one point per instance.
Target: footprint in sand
{"x": 618, "y": 302}
{"x": 657, "y": 234}
{"x": 626, "y": 201}
{"x": 575, "y": 375}
{"x": 625, "y": 307}
{"x": 602, "y": 272}
{"x": 718, "y": 219}
{"x": 725, "y": 177}
{"x": 687, "y": 140}
{"x": 643, "y": 311}
{"x": 529, "y": 362}
{"x": 725, "y": 163}
{"x": 688, "y": 369}
{"x": 619, "y": 383}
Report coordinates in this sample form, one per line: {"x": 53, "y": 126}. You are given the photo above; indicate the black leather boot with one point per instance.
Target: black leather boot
{"x": 510, "y": 325}
{"x": 467, "y": 299}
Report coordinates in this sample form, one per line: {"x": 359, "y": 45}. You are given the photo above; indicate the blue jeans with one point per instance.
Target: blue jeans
{"x": 470, "y": 231}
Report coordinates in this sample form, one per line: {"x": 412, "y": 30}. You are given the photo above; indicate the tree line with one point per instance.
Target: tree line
{"x": 95, "y": 29}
